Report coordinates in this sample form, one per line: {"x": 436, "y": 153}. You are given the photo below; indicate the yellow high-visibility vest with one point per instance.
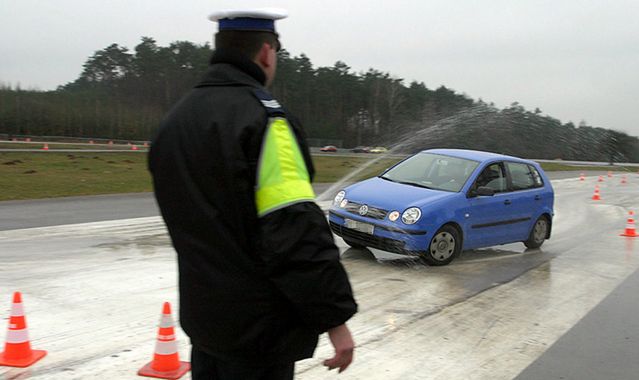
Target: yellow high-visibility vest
{"x": 282, "y": 176}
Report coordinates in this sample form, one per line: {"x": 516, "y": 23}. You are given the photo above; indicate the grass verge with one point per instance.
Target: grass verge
{"x": 25, "y": 175}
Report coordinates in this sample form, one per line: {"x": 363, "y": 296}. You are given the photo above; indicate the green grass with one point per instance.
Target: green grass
{"x": 50, "y": 174}
{"x": 331, "y": 169}
{"x": 25, "y": 175}
{"x": 54, "y": 146}
{"x": 554, "y": 166}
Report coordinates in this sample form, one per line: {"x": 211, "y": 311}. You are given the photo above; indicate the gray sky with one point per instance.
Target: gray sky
{"x": 574, "y": 59}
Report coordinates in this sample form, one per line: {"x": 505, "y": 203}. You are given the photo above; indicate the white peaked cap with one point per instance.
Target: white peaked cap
{"x": 257, "y": 13}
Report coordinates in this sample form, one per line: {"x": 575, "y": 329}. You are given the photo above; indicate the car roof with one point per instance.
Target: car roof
{"x": 475, "y": 155}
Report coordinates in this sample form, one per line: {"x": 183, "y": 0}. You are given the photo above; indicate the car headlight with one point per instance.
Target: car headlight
{"x": 339, "y": 197}
{"x": 411, "y": 215}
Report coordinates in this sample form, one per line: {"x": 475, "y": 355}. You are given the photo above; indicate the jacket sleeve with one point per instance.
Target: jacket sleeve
{"x": 303, "y": 262}
{"x": 296, "y": 244}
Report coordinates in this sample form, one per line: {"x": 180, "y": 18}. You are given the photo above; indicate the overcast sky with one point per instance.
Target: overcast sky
{"x": 574, "y": 59}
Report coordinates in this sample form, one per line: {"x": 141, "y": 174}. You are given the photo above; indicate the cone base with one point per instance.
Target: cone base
{"x": 22, "y": 362}
{"x": 175, "y": 374}
{"x": 629, "y": 235}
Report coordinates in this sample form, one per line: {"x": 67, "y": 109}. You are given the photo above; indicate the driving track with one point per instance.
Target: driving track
{"x": 93, "y": 293}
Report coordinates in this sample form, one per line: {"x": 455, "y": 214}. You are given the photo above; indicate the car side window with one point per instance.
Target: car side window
{"x": 539, "y": 182}
{"x": 492, "y": 176}
{"x": 521, "y": 176}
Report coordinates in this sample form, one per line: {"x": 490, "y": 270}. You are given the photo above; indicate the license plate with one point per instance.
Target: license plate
{"x": 359, "y": 226}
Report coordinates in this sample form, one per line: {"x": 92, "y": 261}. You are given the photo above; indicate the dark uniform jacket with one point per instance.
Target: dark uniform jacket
{"x": 254, "y": 289}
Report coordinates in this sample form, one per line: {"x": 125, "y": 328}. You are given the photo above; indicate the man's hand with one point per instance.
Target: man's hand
{"x": 343, "y": 343}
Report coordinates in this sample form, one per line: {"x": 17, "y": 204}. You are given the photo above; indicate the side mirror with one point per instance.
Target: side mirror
{"x": 485, "y": 191}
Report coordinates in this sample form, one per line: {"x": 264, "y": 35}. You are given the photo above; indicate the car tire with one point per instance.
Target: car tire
{"x": 445, "y": 245}
{"x": 538, "y": 233}
{"x": 353, "y": 244}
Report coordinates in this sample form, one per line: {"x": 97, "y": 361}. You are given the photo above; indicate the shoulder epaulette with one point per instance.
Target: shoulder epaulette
{"x": 272, "y": 106}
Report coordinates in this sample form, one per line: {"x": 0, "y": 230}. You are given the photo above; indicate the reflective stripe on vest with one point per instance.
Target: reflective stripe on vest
{"x": 282, "y": 176}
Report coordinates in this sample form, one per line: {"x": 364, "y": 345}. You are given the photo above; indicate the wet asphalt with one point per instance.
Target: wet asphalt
{"x": 84, "y": 209}
{"x": 501, "y": 304}
{"x": 603, "y": 345}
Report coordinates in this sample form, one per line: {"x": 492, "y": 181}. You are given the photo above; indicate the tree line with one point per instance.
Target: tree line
{"x": 123, "y": 94}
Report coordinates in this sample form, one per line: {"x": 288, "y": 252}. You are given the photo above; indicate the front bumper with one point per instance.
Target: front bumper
{"x": 384, "y": 237}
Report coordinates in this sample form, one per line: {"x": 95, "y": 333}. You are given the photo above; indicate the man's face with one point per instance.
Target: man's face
{"x": 271, "y": 65}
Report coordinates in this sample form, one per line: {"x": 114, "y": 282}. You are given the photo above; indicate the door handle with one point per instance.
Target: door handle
{"x": 507, "y": 202}
{"x": 537, "y": 197}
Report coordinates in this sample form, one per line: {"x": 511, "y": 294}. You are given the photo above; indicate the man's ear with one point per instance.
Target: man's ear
{"x": 263, "y": 55}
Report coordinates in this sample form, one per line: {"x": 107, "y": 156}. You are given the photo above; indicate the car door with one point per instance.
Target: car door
{"x": 488, "y": 218}
{"x": 527, "y": 197}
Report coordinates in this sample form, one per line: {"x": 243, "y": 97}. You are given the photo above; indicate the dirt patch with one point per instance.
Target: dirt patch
{"x": 14, "y": 162}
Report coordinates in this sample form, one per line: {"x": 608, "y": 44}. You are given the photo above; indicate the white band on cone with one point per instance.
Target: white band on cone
{"x": 17, "y": 310}
{"x": 17, "y": 336}
{"x": 166, "y": 321}
{"x": 166, "y": 348}
{"x": 166, "y": 337}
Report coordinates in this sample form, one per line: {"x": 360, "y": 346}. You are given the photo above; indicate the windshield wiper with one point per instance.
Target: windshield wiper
{"x": 414, "y": 184}
{"x": 386, "y": 178}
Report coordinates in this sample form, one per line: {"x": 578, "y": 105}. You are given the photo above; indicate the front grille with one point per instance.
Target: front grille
{"x": 373, "y": 212}
{"x": 385, "y": 244}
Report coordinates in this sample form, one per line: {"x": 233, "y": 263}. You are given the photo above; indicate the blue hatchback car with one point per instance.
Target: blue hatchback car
{"x": 439, "y": 202}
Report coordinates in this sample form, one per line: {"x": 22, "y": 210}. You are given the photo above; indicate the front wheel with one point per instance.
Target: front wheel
{"x": 538, "y": 233}
{"x": 443, "y": 247}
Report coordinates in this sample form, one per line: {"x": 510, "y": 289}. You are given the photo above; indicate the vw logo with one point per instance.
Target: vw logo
{"x": 363, "y": 210}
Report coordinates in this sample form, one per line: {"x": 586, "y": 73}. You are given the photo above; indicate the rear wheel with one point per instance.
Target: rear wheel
{"x": 538, "y": 233}
{"x": 443, "y": 247}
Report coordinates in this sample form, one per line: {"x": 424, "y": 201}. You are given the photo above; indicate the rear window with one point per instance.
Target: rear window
{"x": 524, "y": 176}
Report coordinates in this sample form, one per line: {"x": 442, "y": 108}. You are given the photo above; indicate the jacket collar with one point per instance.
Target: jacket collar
{"x": 229, "y": 67}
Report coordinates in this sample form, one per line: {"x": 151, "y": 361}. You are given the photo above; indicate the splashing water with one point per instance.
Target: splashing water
{"x": 409, "y": 141}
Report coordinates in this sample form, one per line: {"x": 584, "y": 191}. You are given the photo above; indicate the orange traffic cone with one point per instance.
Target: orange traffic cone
{"x": 581, "y": 177}
{"x": 166, "y": 362}
{"x": 630, "y": 226}
{"x": 596, "y": 196}
{"x": 45, "y": 147}
{"x": 600, "y": 179}
{"x": 17, "y": 349}
{"x": 134, "y": 147}
{"x": 624, "y": 180}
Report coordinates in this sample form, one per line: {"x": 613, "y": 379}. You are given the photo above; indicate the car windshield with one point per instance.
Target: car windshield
{"x": 433, "y": 171}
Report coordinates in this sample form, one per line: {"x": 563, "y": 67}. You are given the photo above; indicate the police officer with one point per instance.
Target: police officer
{"x": 259, "y": 273}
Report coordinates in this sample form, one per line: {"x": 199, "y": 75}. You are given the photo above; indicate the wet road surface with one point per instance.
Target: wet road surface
{"x": 93, "y": 293}
{"x": 84, "y": 209}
